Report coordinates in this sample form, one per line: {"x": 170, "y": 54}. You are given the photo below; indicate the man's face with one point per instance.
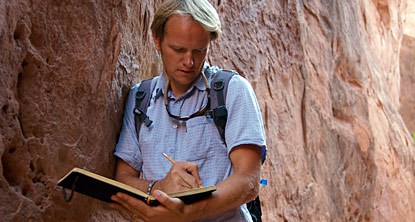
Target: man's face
{"x": 183, "y": 51}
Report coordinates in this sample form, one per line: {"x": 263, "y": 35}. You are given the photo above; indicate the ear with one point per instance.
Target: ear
{"x": 157, "y": 41}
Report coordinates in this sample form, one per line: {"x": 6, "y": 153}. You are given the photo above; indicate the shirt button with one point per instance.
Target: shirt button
{"x": 175, "y": 125}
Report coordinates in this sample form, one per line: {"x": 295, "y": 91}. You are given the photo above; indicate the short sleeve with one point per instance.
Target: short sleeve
{"x": 127, "y": 147}
{"x": 244, "y": 123}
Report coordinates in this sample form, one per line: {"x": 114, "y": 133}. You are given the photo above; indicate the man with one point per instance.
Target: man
{"x": 182, "y": 31}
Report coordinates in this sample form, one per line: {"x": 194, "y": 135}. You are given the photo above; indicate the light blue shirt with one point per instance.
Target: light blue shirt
{"x": 195, "y": 140}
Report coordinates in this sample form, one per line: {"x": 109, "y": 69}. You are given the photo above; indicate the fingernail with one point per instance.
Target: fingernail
{"x": 156, "y": 194}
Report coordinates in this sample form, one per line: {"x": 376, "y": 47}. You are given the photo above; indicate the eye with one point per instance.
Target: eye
{"x": 179, "y": 49}
{"x": 199, "y": 51}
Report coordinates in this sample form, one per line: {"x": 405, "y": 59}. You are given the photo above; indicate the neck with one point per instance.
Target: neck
{"x": 177, "y": 91}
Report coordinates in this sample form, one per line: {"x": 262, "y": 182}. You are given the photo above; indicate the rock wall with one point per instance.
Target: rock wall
{"x": 326, "y": 75}
{"x": 407, "y": 69}
{"x": 66, "y": 67}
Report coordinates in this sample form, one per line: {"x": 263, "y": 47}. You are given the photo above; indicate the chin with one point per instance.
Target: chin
{"x": 187, "y": 77}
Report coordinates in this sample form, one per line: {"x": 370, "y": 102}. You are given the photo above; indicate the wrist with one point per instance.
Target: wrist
{"x": 158, "y": 186}
{"x": 150, "y": 186}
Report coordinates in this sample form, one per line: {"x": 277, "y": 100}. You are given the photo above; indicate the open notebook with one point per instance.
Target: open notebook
{"x": 102, "y": 188}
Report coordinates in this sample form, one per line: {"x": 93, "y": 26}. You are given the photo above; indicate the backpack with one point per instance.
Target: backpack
{"x": 219, "y": 114}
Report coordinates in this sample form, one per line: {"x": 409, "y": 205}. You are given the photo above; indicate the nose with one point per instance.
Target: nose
{"x": 189, "y": 60}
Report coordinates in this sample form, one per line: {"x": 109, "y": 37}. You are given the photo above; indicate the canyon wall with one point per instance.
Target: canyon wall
{"x": 407, "y": 69}
{"x": 326, "y": 73}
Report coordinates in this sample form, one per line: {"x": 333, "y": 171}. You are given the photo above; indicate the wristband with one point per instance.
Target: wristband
{"x": 150, "y": 186}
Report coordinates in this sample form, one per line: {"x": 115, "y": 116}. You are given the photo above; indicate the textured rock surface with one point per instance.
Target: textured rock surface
{"x": 66, "y": 67}
{"x": 326, "y": 74}
{"x": 407, "y": 68}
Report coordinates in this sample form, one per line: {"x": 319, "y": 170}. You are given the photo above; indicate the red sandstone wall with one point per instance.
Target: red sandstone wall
{"x": 326, "y": 74}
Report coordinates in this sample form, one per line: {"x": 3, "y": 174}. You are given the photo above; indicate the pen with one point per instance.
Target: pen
{"x": 169, "y": 158}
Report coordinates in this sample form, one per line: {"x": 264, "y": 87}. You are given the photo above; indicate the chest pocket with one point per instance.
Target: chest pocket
{"x": 203, "y": 140}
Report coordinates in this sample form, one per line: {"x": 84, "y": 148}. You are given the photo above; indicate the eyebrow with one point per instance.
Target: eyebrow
{"x": 182, "y": 47}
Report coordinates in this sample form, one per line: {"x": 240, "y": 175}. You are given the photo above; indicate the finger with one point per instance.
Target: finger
{"x": 182, "y": 179}
{"x": 182, "y": 175}
{"x": 121, "y": 204}
{"x": 118, "y": 207}
{"x": 189, "y": 181}
{"x": 193, "y": 169}
{"x": 168, "y": 202}
{"x": 129, "y": 203}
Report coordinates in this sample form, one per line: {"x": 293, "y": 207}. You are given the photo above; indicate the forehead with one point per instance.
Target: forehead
{"x": 183, "y": 29}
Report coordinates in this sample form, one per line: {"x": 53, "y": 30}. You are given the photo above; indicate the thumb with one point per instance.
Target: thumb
{"x": 165, "y": 200}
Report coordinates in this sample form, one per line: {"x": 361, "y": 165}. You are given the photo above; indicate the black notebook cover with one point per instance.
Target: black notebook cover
{"x": 102, "y": 188}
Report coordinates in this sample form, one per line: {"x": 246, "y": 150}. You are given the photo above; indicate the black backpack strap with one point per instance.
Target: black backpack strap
{"x": 254, "y": 207}
{"x": 142, "y": 100}
{"x": 218, "y": 91}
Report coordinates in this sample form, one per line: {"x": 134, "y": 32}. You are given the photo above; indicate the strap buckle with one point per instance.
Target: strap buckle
{"x": 140, "y": 94}
{"x": 143, "y": 117}
{"x": 218, "y": 85}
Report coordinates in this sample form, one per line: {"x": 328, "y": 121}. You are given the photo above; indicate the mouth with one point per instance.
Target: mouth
{"x": 187, "y": 71}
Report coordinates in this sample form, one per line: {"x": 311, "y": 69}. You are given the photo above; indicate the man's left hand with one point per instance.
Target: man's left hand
{"x": 170, "y": 209}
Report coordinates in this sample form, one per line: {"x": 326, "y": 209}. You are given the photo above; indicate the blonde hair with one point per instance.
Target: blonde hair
{"x": 200, "y": 10}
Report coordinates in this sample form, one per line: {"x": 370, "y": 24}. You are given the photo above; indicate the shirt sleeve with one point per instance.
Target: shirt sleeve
{"x": 127, "y": 147}
{"x": 244, "y": 124}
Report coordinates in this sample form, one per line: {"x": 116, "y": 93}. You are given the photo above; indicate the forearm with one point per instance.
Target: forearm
{"x": 239, "y": 188}
{"x": 128, "y": 175}
{"x": 132, "y": 180}
{"x": 231, "y": 193}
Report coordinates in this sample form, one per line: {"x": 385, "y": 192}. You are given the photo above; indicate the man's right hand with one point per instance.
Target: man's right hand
{"x": 182, "y": 176}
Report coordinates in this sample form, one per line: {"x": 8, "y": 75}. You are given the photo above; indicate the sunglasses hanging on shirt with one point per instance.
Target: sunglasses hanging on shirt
{"x": 200, "y": 112}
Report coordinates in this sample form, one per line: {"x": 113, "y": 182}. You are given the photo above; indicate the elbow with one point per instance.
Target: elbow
{"x": 252, "y": 191}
